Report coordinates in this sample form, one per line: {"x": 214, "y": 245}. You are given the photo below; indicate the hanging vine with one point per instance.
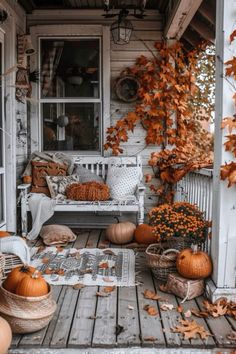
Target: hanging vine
{"x": 167, "y": 109}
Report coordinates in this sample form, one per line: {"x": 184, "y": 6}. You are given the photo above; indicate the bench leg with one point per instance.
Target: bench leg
{"x": 141, "y": 209}
{"x": 24, "y": 217}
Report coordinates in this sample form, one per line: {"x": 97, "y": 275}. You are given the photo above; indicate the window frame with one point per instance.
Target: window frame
{"x": 72, "y": 32}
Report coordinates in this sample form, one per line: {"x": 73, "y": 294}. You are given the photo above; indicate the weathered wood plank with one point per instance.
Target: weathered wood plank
{"x": 219, "y": 326}
{"x": 82, "y": 239}
{"x": 150, "y": 326}
{"x": 83, "y": 323}
{"x": 128, "y": 317}
{"x": 62, "y": 328}
{"x": 105, "y": 324}
{"x": 93, "y": 238}
{"x": 35, "y": 340}
{"x": 209, "y": 342}
{"x": 103, "y": 241}
{"x": 169, "y": 319}
{"x": 232, "y": 322}
{"x": 52, "y": 324}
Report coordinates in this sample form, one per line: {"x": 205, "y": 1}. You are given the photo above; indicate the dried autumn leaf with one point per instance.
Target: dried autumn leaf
{"x": 219, "y": 308}
{"x": 48, "y": 271}
{"x": 107, "y": 280}
{"x": 180, "y": 309}
{"x": 101, "y": 294}
{"x": 149, "y": 339}
{"x": 78, "y": 286}
{"x": 232, "y": 336}
{"x": 152, "y": 311}
{"x": 166, "y": 307}
{"x": 191, "y": 329}
{"x": 198, "y": 313}
{"x": 232, "y": 36}
{"x": 149, "y": 294}
{"x": 108, "y": 289}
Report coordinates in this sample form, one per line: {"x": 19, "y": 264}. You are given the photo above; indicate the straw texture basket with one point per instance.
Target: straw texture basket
{"x": 26, "y": 314}
{"x": 162, "y": 262}
{"x": 179, "y": 243}
{"x": 7, "y": 263}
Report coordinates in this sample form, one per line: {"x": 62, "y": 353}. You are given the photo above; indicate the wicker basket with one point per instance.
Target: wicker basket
{"x": 179, "y": 243}
{"x": 7, "y": 263}
{"x": 161, "y": 261}
{"x": 26, "y": 314}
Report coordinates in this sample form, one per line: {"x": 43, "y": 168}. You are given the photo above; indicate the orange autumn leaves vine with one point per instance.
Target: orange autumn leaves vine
{"x": 228, "y": 170}
{"x": 166, "y": 110}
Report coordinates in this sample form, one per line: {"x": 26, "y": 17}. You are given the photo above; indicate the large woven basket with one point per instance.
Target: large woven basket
{"x": 162, "y": 262}
{"x": 7, "y": 263}
{"x": 26, "y": 314}
{"x": 179, "y": 243}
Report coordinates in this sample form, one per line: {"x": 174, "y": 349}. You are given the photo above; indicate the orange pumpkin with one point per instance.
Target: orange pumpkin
{"x": 32, "y": 286}
{"x": 5, "y": 336}
{"x": 27, "y": 179}
{"x": 4, "y": 234}
{"x": 144, "y": 234}
{"x": 194, "y": 264}
{"x": 120, "y": 233}
{"x": 15, "y": 276}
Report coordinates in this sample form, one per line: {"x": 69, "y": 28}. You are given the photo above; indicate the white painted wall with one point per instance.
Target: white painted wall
{"x": 14, "y": 24}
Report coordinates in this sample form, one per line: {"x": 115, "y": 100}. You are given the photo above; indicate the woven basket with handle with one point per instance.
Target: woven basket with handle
{"x": 7, "y": 263}
{"x": 162, "y": 262}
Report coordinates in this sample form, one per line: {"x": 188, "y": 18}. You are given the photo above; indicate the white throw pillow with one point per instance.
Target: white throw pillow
{"x": 57, "y": 185}
{"x": 123, "y": 180}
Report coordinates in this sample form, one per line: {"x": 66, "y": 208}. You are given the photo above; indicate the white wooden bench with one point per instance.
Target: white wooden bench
{"x": 99, "y": 166}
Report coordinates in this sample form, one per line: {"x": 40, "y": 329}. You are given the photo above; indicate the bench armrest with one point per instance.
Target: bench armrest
{"x": 24, "y": 186}
{"x": 140, "y": 188}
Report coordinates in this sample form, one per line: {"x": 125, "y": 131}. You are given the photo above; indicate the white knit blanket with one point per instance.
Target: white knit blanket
{"x": 42, "y": 208}
{"x": 17, "y": 246}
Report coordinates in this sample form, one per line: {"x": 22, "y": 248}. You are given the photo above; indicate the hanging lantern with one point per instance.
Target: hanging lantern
{"x": 121, "y": 30}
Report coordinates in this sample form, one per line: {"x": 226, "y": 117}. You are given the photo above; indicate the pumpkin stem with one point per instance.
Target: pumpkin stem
{"x": 195, "y": 248}
{"x": 117, "y": 219}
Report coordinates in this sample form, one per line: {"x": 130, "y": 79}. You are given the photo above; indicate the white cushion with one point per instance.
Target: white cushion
{"x": 123, "y": 180}
{"x": 57, "y": 185}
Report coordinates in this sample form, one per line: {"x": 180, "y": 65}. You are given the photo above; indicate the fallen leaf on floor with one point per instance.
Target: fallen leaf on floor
{"x": 149, "y": 339}
{"x": 191, "y": 329}
{"x": 198, "y": 313}
{"x": 152, "y": 311}
{"x": 180, "y": 309}
{"x": 45, "y": 260}
{"x": 103, "y": 265}
{"x": 219, "y": 308}
{"x": 149, "y": 294}
{"x": 78, "y": 286}
{"x": 130, "y": 307}
{"x": 93, "y": 317}
{"x": 101, "y": 294}
{"x": 232, "y": 336}
{"x": 108, "y": 289}
{"x": 89, "y": 244}
{"x": 164, "y": 288}
{"x": 187, "y": 314}
{"x": 110, "y": 252}
{"x": 48, "y": 271}
{"x": 166, "y": 307}
{"x": 119, "y": 329}
{"x": 107, "y": 280}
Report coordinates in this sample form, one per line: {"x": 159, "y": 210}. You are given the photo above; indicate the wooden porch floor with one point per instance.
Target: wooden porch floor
{"x": 83, "y": 320}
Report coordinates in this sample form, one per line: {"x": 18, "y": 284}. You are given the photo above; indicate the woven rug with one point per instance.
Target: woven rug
{"x": 107, "y": 267}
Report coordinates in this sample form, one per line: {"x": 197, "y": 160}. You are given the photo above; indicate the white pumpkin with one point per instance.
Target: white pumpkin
{"x": 121, "y": 233}
{"x": 5, "y": 335}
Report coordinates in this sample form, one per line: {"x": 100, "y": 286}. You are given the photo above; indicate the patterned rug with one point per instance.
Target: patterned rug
{"x": 107, "y": 267}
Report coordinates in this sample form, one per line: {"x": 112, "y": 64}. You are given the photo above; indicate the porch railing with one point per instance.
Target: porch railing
{"x": 196, "y": 188}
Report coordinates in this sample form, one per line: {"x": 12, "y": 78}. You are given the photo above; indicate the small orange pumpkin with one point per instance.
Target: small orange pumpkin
{"x": 144, "y": 234}
{"x": 27, "y": 179}
{"x": 4, "y": 234}
{"x": 120, "y": 233}
{"x": 194, "y": 264}
{"x": 5, "y": 335}
{"x": 32, "y": 286}
{"x": 15, "y": 276}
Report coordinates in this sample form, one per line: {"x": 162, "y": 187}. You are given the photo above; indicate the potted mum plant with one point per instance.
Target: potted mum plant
{"x": 180, "y": 224}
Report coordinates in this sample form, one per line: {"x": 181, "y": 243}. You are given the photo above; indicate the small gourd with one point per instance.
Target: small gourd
{"x": 15, "y": 276}
{"x": 27, "y": 179}
{"x": 144, "y": 234}
{"x": 32, "y": 286}
{"x": 4, "y": 234}
{"x": 194, "y": 264}
{"x": 120, "y": 233}
{"x": 5, "y": 336}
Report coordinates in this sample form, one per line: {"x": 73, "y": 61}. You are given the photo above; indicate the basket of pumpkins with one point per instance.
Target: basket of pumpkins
{"x": 26, "y": 300}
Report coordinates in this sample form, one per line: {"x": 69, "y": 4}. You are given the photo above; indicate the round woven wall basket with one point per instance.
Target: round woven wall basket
{"x": 162, "y": 262}
{"x": 26, "y": 314}
{"x": 126, "y": 88}
{"x": 179, "y": 243}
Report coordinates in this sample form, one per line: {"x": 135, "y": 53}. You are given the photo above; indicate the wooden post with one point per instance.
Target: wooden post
{"x": 223, "y": 250}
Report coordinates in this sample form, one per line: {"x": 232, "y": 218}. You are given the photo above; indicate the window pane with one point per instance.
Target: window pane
{"x": 1, "y": 200}
{"x": 1, "y": 117}
{"x": 70, "y": 68}
{"x": 71, "y": 126}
